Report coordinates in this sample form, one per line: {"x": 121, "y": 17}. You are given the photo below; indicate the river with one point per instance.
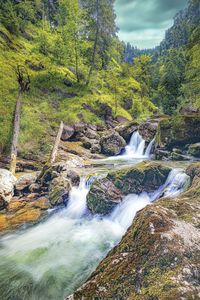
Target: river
{"x": 50, "y": 260}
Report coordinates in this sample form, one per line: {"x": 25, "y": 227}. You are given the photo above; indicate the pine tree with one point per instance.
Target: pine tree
{"x": 101, "y": 30}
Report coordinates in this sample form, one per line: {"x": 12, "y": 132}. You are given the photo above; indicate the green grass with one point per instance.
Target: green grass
{"x": 48, "y": 101}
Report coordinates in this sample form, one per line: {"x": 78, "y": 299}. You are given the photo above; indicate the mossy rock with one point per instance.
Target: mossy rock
{"x": 178, "y": 131}
{"x": 194, "y": 150}
{"x": 106, "y": 193}
{"x": 112, "y": 143}
{"x": 158, "y": 257}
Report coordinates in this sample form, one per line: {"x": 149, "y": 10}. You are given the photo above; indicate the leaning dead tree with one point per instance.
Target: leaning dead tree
{"x": 23, "y": 80}
{"x": 56, "y": 144}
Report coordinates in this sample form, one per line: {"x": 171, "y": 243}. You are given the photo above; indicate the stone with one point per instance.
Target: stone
{"x": 148, "y": 130}
{"x": 162, "y": 154}
{"x": 59, "y": 190}
{"x": 79, "y": 127}
{"x": 179, "y": 157}
{"x": 16, "y": 205}
{"x": 68, "y": 82}
{"x": 112, "y": 143}
{"x": 189, "y": 110}
{"x": 73, "y": 177}
{"x": 178, "y": 131}
{"x": 92, "y": 127}
{"x": 91, "y": 134}
{"x": 194, "y": 150}
{"x": 127, "y": 103}
{"x": 7, "y": 182}
{"x": 126, "y": 130}
{"x": 24, "y": 215}
{"x": 162, "y": 243}
{"x": 68, "y": 132}
{"x": 34, "y": 188}
{"x": 4, "y": 225}
{"x": 107, "y": 192}
{"x": 42, "y": 203}
{"x": 95, "y": 148}
{"x": 25, "y": 181}
{"x": 121, "y": 119}
{"x": 103, "y": 197}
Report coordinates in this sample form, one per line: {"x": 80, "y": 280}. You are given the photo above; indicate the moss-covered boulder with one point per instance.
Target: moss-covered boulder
{"x": 106, "y": 193}
{"x": 103, "y": 196}
{"x": 112, "y": 143}
{"x": 59, "y": 189}
{"x": 158, "y": 258}
{"x": 194, "y": 149}
{"x": 178, "y": 131}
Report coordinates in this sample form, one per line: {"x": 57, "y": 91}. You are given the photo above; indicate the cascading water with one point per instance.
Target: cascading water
{"x": 136, "y": 147}
{"x": 135, "y": 150}
{"x": 55, "y": 257}
{"x": 77, "y": 205}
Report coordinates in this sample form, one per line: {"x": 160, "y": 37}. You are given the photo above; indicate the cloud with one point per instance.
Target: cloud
{"x": 143, "y": 22}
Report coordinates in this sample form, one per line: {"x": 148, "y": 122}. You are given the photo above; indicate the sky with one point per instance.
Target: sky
{"x": 143, "y": 22}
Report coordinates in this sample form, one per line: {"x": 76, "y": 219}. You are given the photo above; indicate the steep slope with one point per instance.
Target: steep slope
{"x": 33, "y": 39}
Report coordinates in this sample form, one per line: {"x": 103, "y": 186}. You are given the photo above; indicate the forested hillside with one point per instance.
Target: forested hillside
{"x": 74, "y": 60}
{"x": 175, "y": 68}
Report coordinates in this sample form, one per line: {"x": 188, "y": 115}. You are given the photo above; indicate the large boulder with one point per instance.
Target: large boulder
{"x": 59, "y": 189}
{"x": 106, "y": 193}
{"x": 158, "y": 257}
{"x": 148, "y": 129}
{"x": 112, "y": 143}
{"x": 25, "y": 181}
{"x": 58, "y": 181}
{"x": 68, "y": 132}
{"x": 7, "y": 182}
{"x": 178, "y": 131}
{"x": 194, "y": 149}
{"x": 126, "y": 130}
{"x": 103, "y": 196}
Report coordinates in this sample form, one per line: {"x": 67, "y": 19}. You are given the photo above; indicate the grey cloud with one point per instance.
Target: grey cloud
{"x": 140, "y": 16}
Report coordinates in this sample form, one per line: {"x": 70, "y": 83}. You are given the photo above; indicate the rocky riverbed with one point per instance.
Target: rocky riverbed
{"x": 87, "y": 200}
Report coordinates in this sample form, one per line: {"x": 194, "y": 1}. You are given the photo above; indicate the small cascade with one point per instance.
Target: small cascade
{"x": 176, "y": 183}
{"x": 126, "y": 211}
{"x": 136, "y": 147}
{"x": 77, "y": 205}
{"x": 149, "y": 148}
{"x": 67, "y": 247}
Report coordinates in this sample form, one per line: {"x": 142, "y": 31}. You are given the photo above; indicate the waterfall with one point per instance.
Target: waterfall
{"x": 77, "y": 204}
{"x": 66, "y": 248}
{"x": 176, "y": 183}
{"x": 136, "y": 147}
{"x": 149, "y": 148}
{"x": 125, "y": 212}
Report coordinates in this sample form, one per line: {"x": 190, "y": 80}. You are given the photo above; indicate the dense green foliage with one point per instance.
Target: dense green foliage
{"x": 75, "y": 62}
{"x": 174, "y": 73}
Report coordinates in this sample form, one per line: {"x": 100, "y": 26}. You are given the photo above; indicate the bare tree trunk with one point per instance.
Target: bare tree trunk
{"x": 56, "y": 144}
{"x": 16, "y": 128}
{"x": 76, "y": 58}
{"x": 95, "y": 45}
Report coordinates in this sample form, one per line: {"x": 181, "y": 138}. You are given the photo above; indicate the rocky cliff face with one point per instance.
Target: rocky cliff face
{"x": 158, "y": 258}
